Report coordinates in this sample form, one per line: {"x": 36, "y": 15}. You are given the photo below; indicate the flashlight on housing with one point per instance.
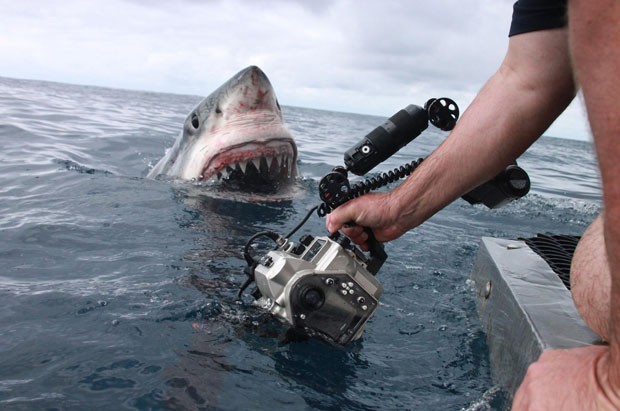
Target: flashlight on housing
{"x": 385, "y": 140}
{"x": 397, "y": 131}
{"x": 510, "y": 184}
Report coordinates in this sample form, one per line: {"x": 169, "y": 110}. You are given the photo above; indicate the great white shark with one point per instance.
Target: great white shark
{"x": 235, "y": 136}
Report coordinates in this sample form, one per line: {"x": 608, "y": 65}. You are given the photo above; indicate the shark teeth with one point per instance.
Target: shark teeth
{"x": 242, "y": 166}
{"x": 256, "y": 162}
{"x": 281, "y": 164}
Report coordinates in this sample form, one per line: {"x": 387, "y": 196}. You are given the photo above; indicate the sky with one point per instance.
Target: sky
{"x": 360, "y": 56}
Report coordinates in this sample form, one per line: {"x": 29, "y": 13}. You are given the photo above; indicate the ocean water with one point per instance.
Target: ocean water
{"x": 119, "y": 292}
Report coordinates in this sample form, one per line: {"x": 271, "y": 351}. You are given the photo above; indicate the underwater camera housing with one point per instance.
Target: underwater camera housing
{"x": 325, "y": 286}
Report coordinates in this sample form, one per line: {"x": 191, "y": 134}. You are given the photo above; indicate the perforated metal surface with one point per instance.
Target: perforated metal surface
{"x": 557, "y": 251}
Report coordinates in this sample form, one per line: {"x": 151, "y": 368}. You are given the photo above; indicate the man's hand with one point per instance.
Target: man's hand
{"x": 374, "y": 211}
{"x": 572, "y": 379}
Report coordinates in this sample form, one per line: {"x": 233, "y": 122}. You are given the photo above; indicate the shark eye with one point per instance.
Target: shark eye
{"x": 278, "y": 104}
{"x": 195, "y": 121}
{"x": 218, "y": 110}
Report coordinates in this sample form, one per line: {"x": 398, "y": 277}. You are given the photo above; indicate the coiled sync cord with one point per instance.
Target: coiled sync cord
{"x": 339, "y": 192}
{"x": 384, "y": 179}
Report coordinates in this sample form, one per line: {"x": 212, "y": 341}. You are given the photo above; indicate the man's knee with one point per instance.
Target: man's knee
{"x": 591, "y": 280}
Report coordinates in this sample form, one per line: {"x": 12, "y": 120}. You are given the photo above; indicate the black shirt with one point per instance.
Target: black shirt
{"x": 533, "y": 15}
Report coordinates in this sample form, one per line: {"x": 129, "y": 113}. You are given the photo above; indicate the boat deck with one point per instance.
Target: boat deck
{"x": 525, "y": 306}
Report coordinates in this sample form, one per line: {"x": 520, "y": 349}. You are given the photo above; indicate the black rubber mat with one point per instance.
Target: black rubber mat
{"x": 557, "y": 251}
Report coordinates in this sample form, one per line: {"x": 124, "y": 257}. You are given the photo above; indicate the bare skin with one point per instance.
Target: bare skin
{"x": 591, "y": 287}
{"x": 588, "y": 378}
{"x": 534, "y": 84}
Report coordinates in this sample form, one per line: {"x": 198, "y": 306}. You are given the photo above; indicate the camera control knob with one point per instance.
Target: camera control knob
{"x": 266, "y": 261}
{"x": 298, "y": 249}
{"x": 343, "y": 240}
{"x": 306, "y": 239}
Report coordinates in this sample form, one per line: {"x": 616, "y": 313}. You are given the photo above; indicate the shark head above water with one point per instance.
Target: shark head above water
{"x": 235, "y": 136}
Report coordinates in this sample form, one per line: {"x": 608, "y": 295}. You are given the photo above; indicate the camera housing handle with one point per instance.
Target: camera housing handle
{"x": 376, "y": 251}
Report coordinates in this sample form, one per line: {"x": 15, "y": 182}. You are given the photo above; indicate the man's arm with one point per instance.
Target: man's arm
{"x": 595, "y": 31}
{"x": 589, "y": 377}
{"x": 531, "y": 88}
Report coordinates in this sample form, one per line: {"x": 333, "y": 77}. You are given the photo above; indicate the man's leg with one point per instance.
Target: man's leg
{"x": 590, "y": 279}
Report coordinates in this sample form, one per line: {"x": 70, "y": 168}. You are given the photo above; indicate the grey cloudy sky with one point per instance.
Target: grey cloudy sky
{"x": 362, "y": 56}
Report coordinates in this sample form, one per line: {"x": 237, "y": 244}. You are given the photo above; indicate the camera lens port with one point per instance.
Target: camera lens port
{"x": 311, "y": 298}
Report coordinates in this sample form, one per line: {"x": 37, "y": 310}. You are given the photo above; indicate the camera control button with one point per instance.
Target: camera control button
{"x": 306, "y": 239}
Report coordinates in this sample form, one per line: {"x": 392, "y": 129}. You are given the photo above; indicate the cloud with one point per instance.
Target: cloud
{"x": 316, "y": 41}
{"x": 350, "y": 55}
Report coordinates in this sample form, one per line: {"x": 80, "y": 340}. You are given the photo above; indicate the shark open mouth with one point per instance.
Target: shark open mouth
{"x": 253, "y": 165}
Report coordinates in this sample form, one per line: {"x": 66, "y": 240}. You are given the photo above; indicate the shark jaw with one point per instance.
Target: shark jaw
{"x": 253, "y": 166}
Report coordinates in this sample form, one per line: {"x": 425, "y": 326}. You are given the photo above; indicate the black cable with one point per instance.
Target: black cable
{"x": 246, "y": 250}
{"x": 312, "y": 210}
{"x": 251, "y": 261}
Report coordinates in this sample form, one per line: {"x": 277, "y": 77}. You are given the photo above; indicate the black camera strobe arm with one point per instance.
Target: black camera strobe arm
{"x": 376, "y": 147}
{"x": 400, "y": 129}
{"x": 379, "y": 145}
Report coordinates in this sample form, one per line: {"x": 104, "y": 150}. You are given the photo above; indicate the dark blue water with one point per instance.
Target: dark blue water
{"x": 118, "y": 292}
